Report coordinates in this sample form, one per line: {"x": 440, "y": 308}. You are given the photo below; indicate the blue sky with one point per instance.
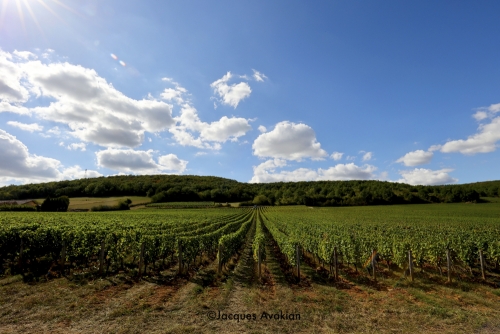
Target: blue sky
{"x": 256, "y": 91}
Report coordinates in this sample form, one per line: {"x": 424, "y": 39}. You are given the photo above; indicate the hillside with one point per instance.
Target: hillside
{"x": 163, "y": 188}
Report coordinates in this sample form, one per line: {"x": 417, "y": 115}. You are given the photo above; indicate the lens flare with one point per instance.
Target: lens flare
{"x": 114, "y": 56}
{"x": 122, "y": 63}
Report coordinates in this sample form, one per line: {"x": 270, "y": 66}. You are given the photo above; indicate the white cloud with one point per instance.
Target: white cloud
{"x": 173, "y": 163}
{"x": 258, "y": 76}
{"x": 18, "y": 165}
{"x": 422, "y": 176}
{"x": 480, "y": 115}
{"x": 289, "y": 141}
{"x": 225, "y": 129}
{"x": 266, "y": 172}
{"x": 233, "y": 94}
{"x": 336, "y": 156}
{"x": 482, "y": 142}
{"x": 26, "y": 127}
{"x": 75, "y": 146}
{"x": 347, "y": 172}
{"x": 494, "y": 108}
{"x": 138, "y": 162}
{"x": 24, "y": 54}
{"x": 262, "y": 128}
{"x": 17, "y": 162}
{"x": 174, "y": 94}
{"x": 170, "y": 94}
{"x": 211, "y": 134}
{"x": 11, "y": 89}
{"x": 92, "y": 108}
{"x": 434, "y": 148}
{"x": 415, "y": 158}
{"x": 55, "y": 131}
{"x": 367, "y": 156}
{"x": 76, "y": 172}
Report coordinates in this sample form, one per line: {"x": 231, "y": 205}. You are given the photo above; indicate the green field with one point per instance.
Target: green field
{"x": 86, "y": 203}
{"x": 165, "y": 270}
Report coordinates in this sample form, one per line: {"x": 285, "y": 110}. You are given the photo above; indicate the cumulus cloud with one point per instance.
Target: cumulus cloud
{"x": 18, "y": 164}
{"x": 92, "y": 108}
{"x": 480, "y": 115}
{"x": 172, "y": 163}
{"x": 367, "y": 156}
{"x": 336, "y": 156}
{"x": 11, "y": 89}
{"x": 485, "y": 140}
{"x": 262, "y": 128}
{"x": 482, "y": 142}
{"x": 211, "y": 135}
{"x": 138, "y": 162}
{"x": 422, "y": 176}
{"x": 26, "y": 127}
{"x": 76, "y": 172}
{"x": 233, "y": 94}
{"x": 415, "y": 158}
{"x": 266, "y": 172}
{"x": 75, "y": 146}
{"x": 434, "y": 148}
{"x": 258, "y": 76}
{"x": 289, "y": 141}
{"x": 175, "y": 94}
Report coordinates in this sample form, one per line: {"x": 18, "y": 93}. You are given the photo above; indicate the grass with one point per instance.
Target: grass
{"x": 113, "y": 305}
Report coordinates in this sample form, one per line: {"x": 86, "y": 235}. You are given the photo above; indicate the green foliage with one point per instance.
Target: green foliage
{"x": 259, "y": 240}
{"x": 261, "y": 200}
{"x": 427, "y": 230}
{"x": 55, "y": 204}
{"x": 17, "y": 208}
{"x": 179, "y": 188}
{"x": 43, "y": 235}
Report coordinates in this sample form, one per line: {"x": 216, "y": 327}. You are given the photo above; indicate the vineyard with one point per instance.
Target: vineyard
{"x": 404, "y": 237}
{"x": 225, "y": 256}
{"x": 114, "y": 241}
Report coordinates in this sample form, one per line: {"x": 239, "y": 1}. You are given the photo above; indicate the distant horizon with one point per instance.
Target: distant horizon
{"x": 187, "y": 175}
{"x": 257, "y": 92}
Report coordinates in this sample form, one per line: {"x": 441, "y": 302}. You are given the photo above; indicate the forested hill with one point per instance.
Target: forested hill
{"x": 163, "y": 188}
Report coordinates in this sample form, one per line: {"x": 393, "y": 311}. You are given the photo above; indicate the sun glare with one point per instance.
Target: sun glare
{"x": 22, "y": 5}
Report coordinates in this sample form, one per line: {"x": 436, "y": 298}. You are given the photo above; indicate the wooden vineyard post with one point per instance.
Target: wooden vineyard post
{"x": 297, "y": 260}
{"x": 63, "y": 257}
{"x": 219, "y": 256}
{"x": 260, "y": 261}
{"x": 20, "y": 259}
{"x": 141, "y": 260}
{"x": 336, "y": 263}
{"x": 448, "y": 260}
{"x": 101, "y": 258}
{"x": 410, "y": 265}
{"x": 373, "y": 266}
{"x": 179, "y": 246}
{"x": 481, "y": 259}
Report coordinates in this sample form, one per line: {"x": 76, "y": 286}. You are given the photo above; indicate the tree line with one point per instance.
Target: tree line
{"x": 185, "y": 188}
